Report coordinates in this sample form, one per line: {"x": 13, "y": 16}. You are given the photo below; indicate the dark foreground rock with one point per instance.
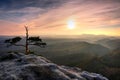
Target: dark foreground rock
{"x": 31, "y": 67}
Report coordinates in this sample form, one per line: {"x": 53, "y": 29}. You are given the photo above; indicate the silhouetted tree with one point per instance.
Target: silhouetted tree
{"x": 28, "y": 41}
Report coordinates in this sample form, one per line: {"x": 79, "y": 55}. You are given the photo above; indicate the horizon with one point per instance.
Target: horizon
{"x": 60, "y": 17}
{"x": 64, "y": 36}
{"x": 59, "y": 39}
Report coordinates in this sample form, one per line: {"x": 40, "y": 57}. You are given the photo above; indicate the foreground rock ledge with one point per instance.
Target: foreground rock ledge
{"x": 31, "y": 67}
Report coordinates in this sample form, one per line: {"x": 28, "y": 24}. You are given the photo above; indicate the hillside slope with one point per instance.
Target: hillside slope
{"x": 73, "y": 47}
{"x": 111, "y": 43}
{"x": 31, "y": 67}
{"x": 108, "y": 65}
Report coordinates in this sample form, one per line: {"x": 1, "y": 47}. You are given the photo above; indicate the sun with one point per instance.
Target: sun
{"x": 71, "y": 24}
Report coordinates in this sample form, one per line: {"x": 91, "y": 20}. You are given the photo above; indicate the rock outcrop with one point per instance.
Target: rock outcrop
{"x": 17, "y": 66}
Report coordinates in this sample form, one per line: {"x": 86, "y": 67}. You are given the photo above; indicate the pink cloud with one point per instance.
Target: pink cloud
{"x": 90, "y": 14}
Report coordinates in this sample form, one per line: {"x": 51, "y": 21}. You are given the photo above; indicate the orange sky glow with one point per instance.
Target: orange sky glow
{"x": 89, "y": 17}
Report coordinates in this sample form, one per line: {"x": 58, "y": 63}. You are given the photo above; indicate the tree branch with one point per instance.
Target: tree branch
{"x": 18, "y": 45}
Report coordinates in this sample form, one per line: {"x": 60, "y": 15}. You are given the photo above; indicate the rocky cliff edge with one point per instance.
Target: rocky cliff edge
{"x": 17, "y": 66}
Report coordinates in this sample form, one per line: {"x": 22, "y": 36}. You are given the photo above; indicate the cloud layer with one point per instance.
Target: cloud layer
{"x": 51, "y": 16}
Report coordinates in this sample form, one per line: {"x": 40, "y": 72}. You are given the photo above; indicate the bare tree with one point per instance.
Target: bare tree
{"x": 26, "y": 44}
{"x": 28, "y": 41}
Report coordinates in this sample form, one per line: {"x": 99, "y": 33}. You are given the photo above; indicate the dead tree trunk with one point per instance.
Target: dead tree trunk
{"x": 26, "y": 44}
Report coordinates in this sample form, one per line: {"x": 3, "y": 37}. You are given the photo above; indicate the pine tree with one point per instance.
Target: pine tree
{"x": 37, "y": 41}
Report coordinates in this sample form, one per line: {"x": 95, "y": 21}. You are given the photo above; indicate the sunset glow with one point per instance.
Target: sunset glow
{"x": 56, "y": 17}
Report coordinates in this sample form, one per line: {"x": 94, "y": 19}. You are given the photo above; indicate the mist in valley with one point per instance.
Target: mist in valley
{"x": 95, "y": 53}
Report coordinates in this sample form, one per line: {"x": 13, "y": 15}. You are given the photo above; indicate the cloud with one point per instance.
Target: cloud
{"x": 95, "y": 13}
{"x": 27, "y": 9}
{"x": 21, "y": 15}
{"x": 18, "y": 4}
{"x": 10, "y": 28}
{"x": 52, "y": 15}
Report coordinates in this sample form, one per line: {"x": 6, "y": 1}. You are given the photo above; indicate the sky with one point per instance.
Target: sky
{"x": 54, "y": 17}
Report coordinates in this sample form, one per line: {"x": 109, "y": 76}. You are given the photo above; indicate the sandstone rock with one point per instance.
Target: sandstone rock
{"x": 31, "y": 67}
